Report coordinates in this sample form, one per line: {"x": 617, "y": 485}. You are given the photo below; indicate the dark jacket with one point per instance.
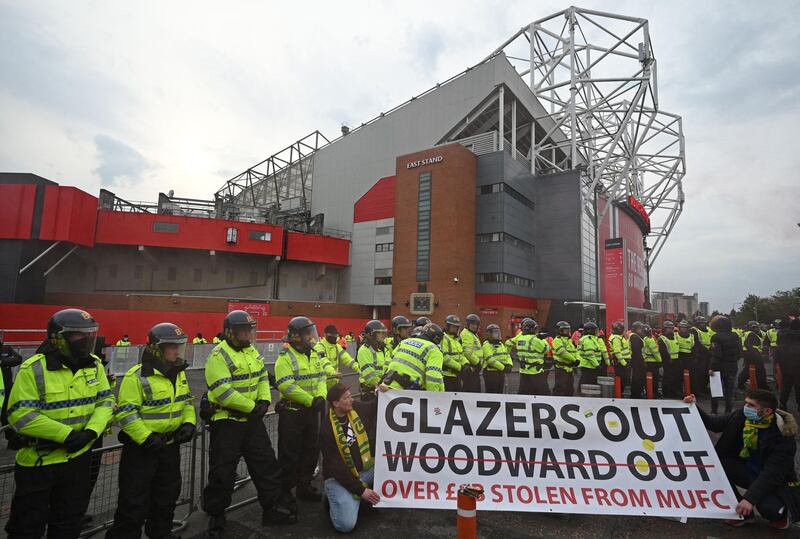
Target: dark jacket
{"x": 333, "y": 466}
{"x": 788, "y": 351}
{"x": 637, "y": 344}
{"x": 776, "y": 449}
{"x": 726, "y": 348}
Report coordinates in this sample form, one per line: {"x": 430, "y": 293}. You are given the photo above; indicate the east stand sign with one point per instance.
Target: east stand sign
{"x": 548, "y": 454}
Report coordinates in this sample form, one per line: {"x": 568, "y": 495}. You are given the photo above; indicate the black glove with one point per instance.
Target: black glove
{"x": 318, "y": 404}
{"x": 78, "y": 439}
{"x": 507, "y": 369}
{"x": 154, "y": 442}
{"x": 258, "y": 410}
{"x": 184, "y": 433}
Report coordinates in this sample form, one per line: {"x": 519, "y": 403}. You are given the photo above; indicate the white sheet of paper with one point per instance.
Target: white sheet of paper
{"x": 715, "y": 381}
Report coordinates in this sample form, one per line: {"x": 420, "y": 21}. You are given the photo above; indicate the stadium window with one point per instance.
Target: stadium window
{"x": 424, "y": 227}
{"x": 383, "y": 280}
{"x": 172, "y": 273}
{"x": 163, "y": 226}
{"x": 260, "y": 235}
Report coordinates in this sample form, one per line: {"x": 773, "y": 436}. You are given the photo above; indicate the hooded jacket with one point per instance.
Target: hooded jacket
{"x": 788, "y": 351}
{"x": 776, "y": 449}
{"x": 726, "y": 347}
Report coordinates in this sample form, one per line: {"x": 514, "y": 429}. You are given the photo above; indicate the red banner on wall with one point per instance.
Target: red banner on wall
{"x": 256, "y": 309}
{"x": 614, "y": 285}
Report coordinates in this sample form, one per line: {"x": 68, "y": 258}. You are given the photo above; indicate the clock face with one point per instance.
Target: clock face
{"x": 421, "y": 303}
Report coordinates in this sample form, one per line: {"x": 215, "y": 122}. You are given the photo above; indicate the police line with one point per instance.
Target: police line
{"x": 548, "y": 454}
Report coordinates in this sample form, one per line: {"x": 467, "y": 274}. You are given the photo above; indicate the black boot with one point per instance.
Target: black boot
{"x": 308, "y": 493}
{"x": 216, "y": 527}
{"x": 280, "y": 514}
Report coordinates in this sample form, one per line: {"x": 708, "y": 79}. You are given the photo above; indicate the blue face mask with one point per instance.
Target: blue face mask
{"x": 750, "y": 413}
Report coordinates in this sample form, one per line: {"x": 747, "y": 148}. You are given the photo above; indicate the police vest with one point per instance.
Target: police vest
{"x": 672, "y": 346}
{"x": 565, "y": 353}
{"x": 495, "y": 356}
{"x": 759, "y": 339}
{"x": 421, "y": 361}
{"x": 531, "y": 351}
{"x": 471, "y": 345}
{"x": 685, "y": 344}
{"x": 592, "y": 351}
{"x": 148, "y": 402}
{"x": 453, "y": 355}
{"x": 372, "y": 364}
{"x": 48, "y": 401}
{"x": 705, "y": 337}
{"x": 236, "y": 380}
{"x": 772, "y": 333}
{"x": 650, "y": 351}
{"x": 621, "y": 348}
{"x": 299, "y": 377}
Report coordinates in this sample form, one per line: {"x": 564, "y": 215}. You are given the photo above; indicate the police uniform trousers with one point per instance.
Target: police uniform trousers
{"x": 653, "y": 368}
{"x": 470, "y": 380}
{"x": 589, "y": 375}
{"x": 149, "y": 486}
{"x": 452, "y": 383}
{"x": 55, "y": 496}
{"x": 564, "y": 385}
{"x": 624, "y": 375}
{"x": 533, "y": 384}
{"x": 231, "y": 441}
{"x": 673, "y": 379}
{"x": 494, "y": 381}
{"x": 638, "y": 380}
{"x": 298, "y": 446}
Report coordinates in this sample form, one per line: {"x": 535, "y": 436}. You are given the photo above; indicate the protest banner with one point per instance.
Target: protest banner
{"x": 548, "y": 454}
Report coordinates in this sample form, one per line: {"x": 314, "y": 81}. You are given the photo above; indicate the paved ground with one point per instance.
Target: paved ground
{"x": 245, "y": 522}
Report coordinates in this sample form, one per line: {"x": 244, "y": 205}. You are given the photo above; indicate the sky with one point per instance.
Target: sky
{"x": 147, "y": 96}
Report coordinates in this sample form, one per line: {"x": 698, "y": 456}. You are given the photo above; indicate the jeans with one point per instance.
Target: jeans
{"x": 344, "y": 508}
{"x": 771, "y": 507}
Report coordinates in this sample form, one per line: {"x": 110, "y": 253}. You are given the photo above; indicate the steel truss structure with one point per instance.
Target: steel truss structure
{"x": 596, "y": 75}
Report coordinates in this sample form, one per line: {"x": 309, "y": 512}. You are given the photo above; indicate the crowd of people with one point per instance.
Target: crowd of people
{"x": 62, "y": 401}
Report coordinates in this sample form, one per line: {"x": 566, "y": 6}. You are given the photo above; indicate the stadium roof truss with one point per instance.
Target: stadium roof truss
{"x": 596, "y": 75}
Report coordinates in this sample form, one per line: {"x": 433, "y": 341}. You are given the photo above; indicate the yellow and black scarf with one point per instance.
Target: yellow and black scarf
{"x": 750, "y": 434}
{"x": 362, "y": 440}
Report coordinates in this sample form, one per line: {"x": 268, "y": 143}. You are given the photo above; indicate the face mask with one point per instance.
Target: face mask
{"x": 750, "y": 413}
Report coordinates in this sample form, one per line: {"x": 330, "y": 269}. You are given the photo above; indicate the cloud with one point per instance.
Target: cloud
{"x": 119, "y": 163}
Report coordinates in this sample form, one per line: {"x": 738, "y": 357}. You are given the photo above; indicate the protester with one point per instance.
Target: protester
{"x": 756, "y": 449}
{"x": 347, "y": 442}
{"x": 726, "y": 349}
{"x": 787, "y": 355}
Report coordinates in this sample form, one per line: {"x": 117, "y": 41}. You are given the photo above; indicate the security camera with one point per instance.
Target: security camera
{"x": 455, "y": 280}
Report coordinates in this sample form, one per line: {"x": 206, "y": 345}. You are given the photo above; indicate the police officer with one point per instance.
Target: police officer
{"x": 686, "y": 353}
{"x": 702, "y": 354}
{"x": 496, "y": 360}
{"x": 417, "y": 362}
{"x": 752, "y": 345}
{"x": 566, "y": 357}
{"x": 422, "y": 321}
{"x": 301, "y": 381}
{"x": 124, "y": 341}
{"x": 593, "y": 353}
{"x": 637, "y": 365}
{"x": 620, "y": 353}
{"x": 652, "y": 359}
{"x": 453, "y": 353}
{"x": 156, "y": 415}
{"x": 239, "y": 397}
{"x": 199, "y": 339}
{"x": 60, "y": 403}
{"x": 372, "y": 358}
{"x": 669, "y": 351}
{"x": 471, "y": 344}
{"x": 531, "y": 351}
{"x": 401, "y": 327}
{"x": 772, "y": 337}
{"x": 332, "y": 356}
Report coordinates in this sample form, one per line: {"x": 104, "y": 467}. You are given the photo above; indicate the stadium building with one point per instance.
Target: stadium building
{"x": 543, "y": 181}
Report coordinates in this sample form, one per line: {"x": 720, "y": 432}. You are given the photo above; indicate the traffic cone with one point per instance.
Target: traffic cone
{"x": 687, "y": 383}
{"x": 650, "y": 393}
{"x": 753, "y": 381}
{"x": 467, "y": 515}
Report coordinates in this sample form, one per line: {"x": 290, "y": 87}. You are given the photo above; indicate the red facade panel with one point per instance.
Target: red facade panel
{"x": 504, "y": 300}
{"x": 377, "y": 203}
{"x": 187, "y": 233}
{"x": 16, "y": 210}
{"x": 315, "y": 248}
{"x": 69, "y": 214}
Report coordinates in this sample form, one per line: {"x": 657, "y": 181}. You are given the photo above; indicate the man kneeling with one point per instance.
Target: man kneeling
{"x": 347, "y": 441}
{"x": 756, "y": 449}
